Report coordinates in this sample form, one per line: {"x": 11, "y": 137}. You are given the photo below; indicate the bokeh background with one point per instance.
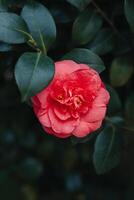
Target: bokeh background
{"x": 37, "y": 166}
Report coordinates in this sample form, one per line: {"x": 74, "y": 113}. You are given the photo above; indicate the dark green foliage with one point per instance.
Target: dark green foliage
{"x": 103, "y": 42}
{"x": 129, "y": 10}
{"x": 80, "y": 4}
{"x": 40, "y": 24}
{"x": 88, "y": 21}
{"x": 12, "y": 28}
{"x": 33, "y": 35}
{"x": 121, "y": 71}
{"x": 107, "y": 150}
{"x": 33, "y": 72}
{"x": 87, "y": 57}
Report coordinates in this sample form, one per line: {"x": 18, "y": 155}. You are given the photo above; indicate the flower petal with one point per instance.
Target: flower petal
{"x": 41, "y": 99}
{"x": 60, "y": 126}
{"x": 61, "y": 115}
{"x": 44, "y": 120}
{"x": 65, "y": 67}
{"x": 98, "y": 109}
{"x": 86, "y": 128}
{"x": 95, "y": 114}
{"x": 84, "y": 66}
{"x": 60, "y": 135}
{"x": 102, "y": 99}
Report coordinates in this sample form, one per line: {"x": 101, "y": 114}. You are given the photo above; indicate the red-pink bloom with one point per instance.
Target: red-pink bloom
{"x": 74, "y": 103}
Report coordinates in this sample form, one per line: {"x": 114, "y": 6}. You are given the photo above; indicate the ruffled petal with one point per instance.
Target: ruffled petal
{"x": 84, "y": 66}
{"x": 44, "y": 120}
{"x": 59, "y": 135}
{"x": 65, "y": 67}
{"x": 62, "y": 115}
{"x": 102, "y": 99}
{"x": 60, "y": 126}
{"x": 98, "y": 109}
{"x": 95, "y": 114}
{"x": 86, "y": 128}
{"x": 41, "y": 99}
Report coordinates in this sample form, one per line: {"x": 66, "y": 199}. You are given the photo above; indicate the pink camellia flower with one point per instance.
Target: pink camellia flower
{"x": 74, "y": 103}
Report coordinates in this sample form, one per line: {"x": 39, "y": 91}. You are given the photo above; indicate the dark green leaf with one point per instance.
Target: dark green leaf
{"x": 40, "y": 24}
{"x": 107, "y": 150}
{"x": 86, "y": 26}
{"x": 87, "y": 57}
{"x": 80, "y": 4}
{"x": 103, "y": 42}
{"x": 114, "y": 105}
{"x": 117, "y": 120}
{"x": 33, "y": 72}
{"x": 12, "y": 28}
{"x": 5, "y": 47}
{"x": 129, "y": 12}
{"x": 121, "y": 71}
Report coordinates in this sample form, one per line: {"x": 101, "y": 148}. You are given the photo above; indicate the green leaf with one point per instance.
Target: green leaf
{"x": 33, "y": 72}
{"x": 114, "y": 105}
{"x": 121, "y": 71}
{"x": 129, "y": 12}
{"x": 40, "y": 24}
{"x": 80, "y": 4}
{"x": 85, "y": 56}
{"x": 103, "y": 42}
{"x": 12, "y": 27}
{"x": 117, "y": 120}
{"x": 107, "y": 150}
{"x": 86, "y": 26}
{"x": 5, "y": 47}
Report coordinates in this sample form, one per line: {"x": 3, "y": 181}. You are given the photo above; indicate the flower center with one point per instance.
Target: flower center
{"x": 77, "y": 101}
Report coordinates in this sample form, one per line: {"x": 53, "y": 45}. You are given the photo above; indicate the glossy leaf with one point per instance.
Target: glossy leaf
{"x": 86, "y": 26}
{"x": 85, "y": 56}
{"x": 107, "y": 150}
{"x": 40, "y": 23}
{"x": 121, "y": 71}
{"x": 5, "y": 47}
{"x": 114, "y": 105}
{"x": 12, "y": 28}
{"x": 129, "y": 12}
{"x": 33, "y": 72}
{"x": 80, "y": 4}
{"x": 103, "y": 42}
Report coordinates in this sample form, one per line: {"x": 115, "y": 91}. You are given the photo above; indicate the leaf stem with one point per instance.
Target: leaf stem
{"x": 31, "y": 42}
{"x": 43, "y": 45}
{"x": 25, "y": 33}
